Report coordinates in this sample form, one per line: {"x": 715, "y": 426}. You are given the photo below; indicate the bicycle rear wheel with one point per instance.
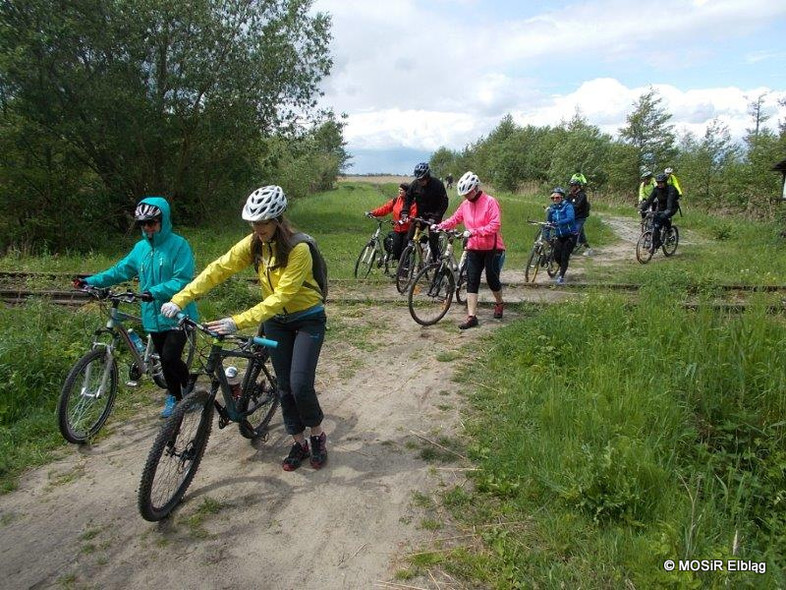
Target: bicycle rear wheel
{"x": 175, "y": 456}
{"x": 87, "y": 396}
{"x": 533, "y": 264}
{"x": 406, "y": 269}
{"x": 431, "y": 294}
{"x": 188, "y": 351}
{"x": 644, "y": 248}
{"x": 365, "y": 261}
{"x": 671, "y": 239}
{"x": 260, "y": 398}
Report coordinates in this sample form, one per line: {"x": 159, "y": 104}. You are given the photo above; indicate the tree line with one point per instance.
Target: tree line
{"x": 714, "y": 170}
{"x": 102, "y": 103}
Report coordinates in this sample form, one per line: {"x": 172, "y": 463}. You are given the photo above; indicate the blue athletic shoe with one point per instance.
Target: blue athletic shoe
{"x": 169, "y": 406}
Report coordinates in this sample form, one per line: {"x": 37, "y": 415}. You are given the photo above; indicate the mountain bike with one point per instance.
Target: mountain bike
{"x": 415, "y": 255}
{"x": 89, "y": 391}
{"x": 378, "y": 252}
{"x": 670, "y": 239}
{"x": 433, "y": 288}
{"x": 542, "y": 253}
{"x": 177, "y": 450}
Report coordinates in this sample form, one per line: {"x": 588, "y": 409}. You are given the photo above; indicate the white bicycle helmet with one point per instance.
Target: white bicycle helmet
{"x": 146, "y": 211}
{"x": 467, "y": 183}
{"x": 669, "y": 170}
{"x": 265, "y": 203}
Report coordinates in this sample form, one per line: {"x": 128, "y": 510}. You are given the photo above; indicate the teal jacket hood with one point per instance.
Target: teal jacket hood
{"x": 166, "y": 220}
{"x": 164, "y": 264}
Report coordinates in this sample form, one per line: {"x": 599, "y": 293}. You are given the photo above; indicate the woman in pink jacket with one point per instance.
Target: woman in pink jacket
{"x": 481, "y": 217}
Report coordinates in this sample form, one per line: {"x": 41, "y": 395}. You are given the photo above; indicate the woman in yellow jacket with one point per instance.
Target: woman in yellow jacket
{"x": 291, "y": 312}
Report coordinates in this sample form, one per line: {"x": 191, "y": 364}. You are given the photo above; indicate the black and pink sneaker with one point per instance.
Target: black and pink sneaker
{"x": 297, "y": 454}
{"x": 318, "y": 451}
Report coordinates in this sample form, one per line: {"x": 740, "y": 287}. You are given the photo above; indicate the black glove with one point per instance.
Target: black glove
{"x": 643, "y": 213}
{"x": 79, "y": 283}
{"x": 146, "y": 296}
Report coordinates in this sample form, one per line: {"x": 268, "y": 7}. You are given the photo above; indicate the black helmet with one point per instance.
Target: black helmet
{"x": 559, "y": 190}
{"x": 421, "y": 170}
{"x": 661, "y": 178}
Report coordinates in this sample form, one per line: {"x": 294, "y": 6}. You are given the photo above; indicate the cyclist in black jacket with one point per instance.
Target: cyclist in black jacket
{"x": 432, "y": 200}
{"x": 665, "y": 199}
{"x": 581, "y": 206}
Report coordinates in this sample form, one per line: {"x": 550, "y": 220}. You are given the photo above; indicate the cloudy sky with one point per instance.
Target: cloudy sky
{"x": 414, "y": 75}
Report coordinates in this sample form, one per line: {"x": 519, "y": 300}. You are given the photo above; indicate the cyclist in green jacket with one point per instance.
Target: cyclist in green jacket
{"x": 646, "y": 186}
{"x": 673, "y": 180}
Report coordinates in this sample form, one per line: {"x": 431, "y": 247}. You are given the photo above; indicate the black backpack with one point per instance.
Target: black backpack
{"x": 318, "y": 266}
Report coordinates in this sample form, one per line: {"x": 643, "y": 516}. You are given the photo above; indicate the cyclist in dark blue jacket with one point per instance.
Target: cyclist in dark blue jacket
{"x": 562, "y": 215}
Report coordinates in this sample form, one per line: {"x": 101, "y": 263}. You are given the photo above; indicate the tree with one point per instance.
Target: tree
{"x": 648, "y": 131}
{"x": 583, "y": 149}
{"x": 151, "y": 96}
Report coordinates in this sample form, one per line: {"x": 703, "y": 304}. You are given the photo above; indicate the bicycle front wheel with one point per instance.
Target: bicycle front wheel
{"x": 644, "y": 248}
{"x": 671, "y": 239}
{"x": 259, "y": 398}
{"x": 552, "y": 268}
{"x": 175, "y": 456}
{"x": 87, "y": 396}
{"x": 461, "y": 286}
{"x": 365, "y": 261}
{"x": 431, "y": 294}
{"x": 533, "y": 264}
{"x": 406, "y": 269}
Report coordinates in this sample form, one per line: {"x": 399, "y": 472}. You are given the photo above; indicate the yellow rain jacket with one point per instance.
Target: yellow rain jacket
{"x": 284, "y": 289}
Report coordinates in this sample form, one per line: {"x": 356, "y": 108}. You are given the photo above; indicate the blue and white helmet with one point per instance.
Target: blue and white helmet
{"x": 265, "y": 203}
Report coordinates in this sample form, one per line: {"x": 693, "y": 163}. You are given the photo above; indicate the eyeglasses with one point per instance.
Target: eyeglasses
{"x": 147, "y": 222}
{"x": 556, "y": 198}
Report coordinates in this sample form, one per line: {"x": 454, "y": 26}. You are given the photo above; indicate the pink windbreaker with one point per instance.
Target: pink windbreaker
{"x": 481, "y": 217}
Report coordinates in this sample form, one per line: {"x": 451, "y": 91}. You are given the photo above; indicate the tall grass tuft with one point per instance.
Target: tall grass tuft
{"x": 628, "y": 434}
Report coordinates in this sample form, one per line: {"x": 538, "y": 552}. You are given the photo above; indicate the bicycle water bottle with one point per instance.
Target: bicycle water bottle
{"x": 137, "y": 341}
{"x": 233, "y": 378}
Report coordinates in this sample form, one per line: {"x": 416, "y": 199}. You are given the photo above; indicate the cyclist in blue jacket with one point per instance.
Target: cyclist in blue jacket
{"x": 562, "y": 215}
{"x": 164, "y": 263}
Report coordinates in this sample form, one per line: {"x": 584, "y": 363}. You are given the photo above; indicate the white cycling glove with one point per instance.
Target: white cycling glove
{"x": 467, "y": 233}
{"x": 433, "y": 227}
{"x": 170, "y": 310}
{"x": 223, "y": 326}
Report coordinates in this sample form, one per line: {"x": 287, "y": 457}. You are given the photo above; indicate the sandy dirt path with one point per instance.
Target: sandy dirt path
{"x": 386, "y": 388}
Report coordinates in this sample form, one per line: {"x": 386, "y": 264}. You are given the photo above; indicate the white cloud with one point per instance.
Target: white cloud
{"x": 425, "y": 74}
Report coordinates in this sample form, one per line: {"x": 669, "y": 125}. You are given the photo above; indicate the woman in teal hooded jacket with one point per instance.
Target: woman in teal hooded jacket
{"x": 164, "y": 263}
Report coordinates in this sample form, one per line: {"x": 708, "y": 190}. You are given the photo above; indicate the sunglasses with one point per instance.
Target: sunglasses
{"x": 149, "y": 222}
{"x": 556, "y": 198}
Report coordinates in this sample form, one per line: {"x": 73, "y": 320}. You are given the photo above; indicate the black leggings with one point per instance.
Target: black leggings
{"x": 295, "y": 363}
{"x": 563, "y": 246}
{"x": 491, "y": 261}
{"x": 169, "y": 346}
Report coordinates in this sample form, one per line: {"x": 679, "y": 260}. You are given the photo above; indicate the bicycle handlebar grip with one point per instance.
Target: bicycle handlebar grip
{"x": 265, "y": 342}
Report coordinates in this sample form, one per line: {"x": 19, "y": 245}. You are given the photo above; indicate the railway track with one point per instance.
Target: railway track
{"x": 15, "y": 289}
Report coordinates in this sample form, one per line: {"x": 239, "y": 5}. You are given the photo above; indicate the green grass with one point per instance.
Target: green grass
{"x": 657, "y": 433}
{"x": 663, "y": 438}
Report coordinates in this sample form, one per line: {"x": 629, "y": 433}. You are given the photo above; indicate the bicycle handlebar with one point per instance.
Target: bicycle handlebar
{"x": 542, "y": 223}
{"x": 245, "y": 340}
{"x": 101, "y": 293}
